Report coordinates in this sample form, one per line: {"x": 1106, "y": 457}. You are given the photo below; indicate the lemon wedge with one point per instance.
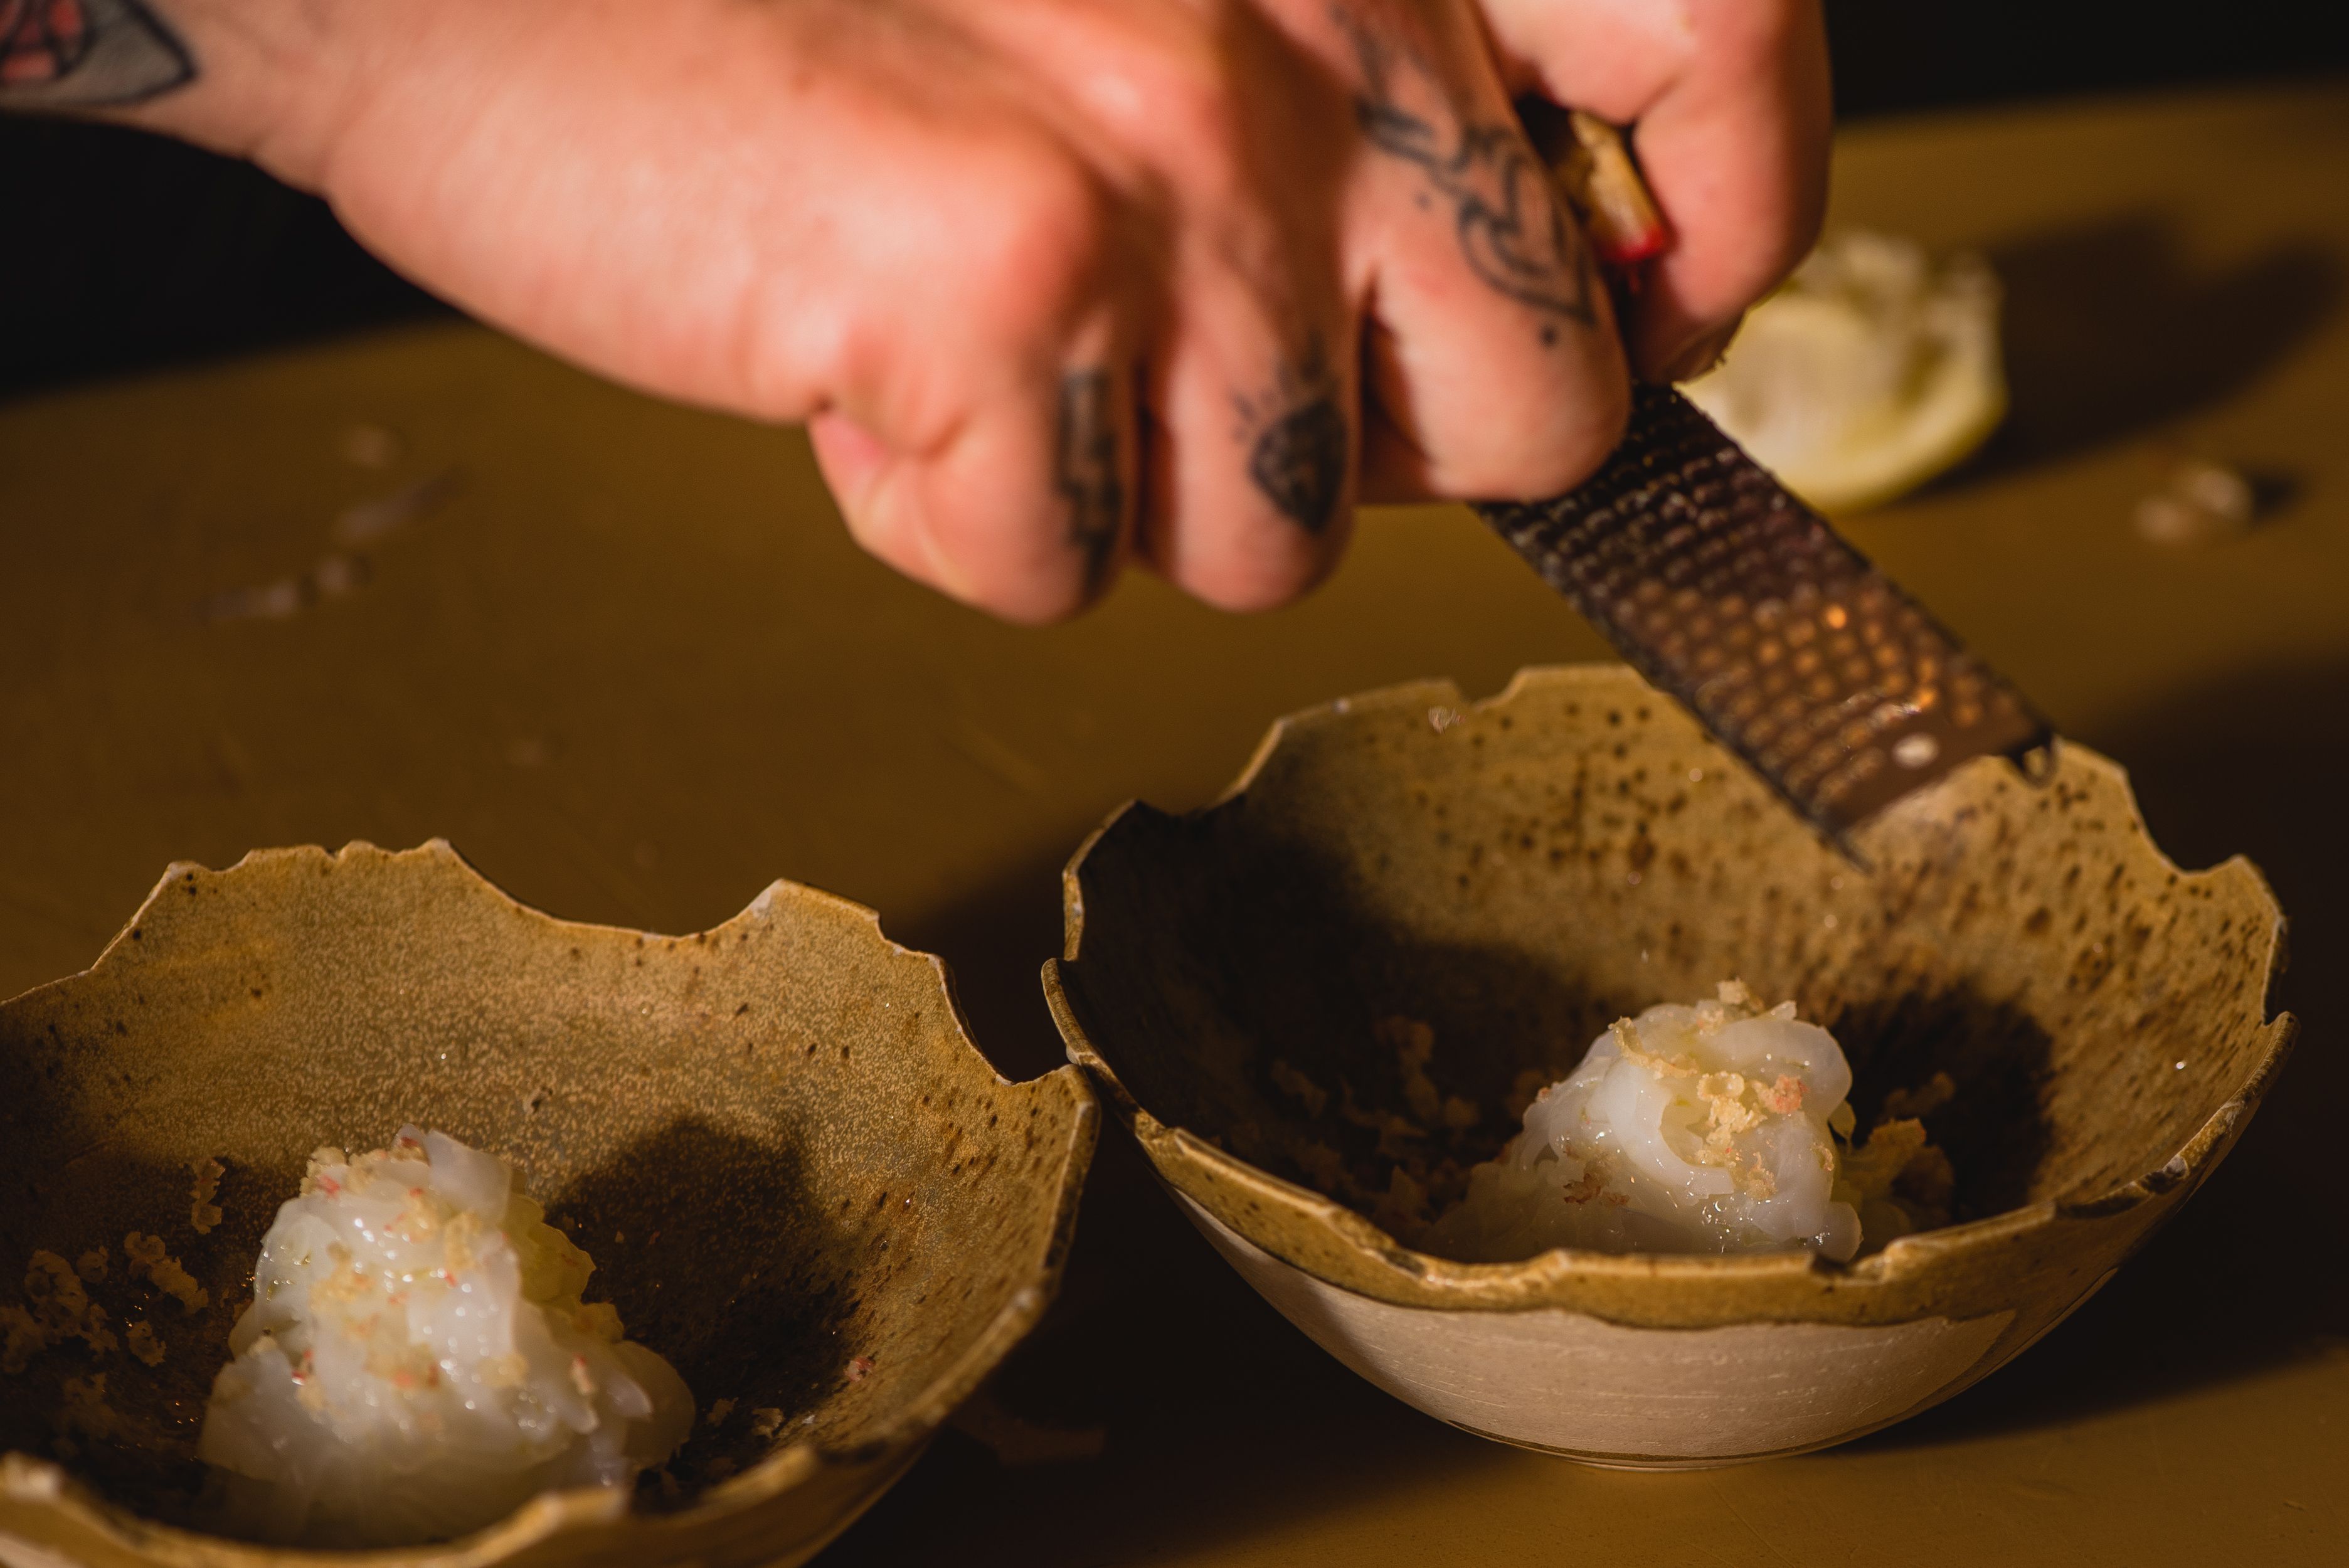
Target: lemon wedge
{"x": 1870, "y": 370}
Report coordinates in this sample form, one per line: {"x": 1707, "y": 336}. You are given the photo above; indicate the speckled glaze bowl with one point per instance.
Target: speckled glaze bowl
{"x": 1519, "y": 872}
{"x": 798, "y": 1179}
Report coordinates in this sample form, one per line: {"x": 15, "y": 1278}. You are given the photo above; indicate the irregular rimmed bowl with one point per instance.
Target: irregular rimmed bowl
{"x": 775, "y": 1138}
{"x": 1519, "y": 872}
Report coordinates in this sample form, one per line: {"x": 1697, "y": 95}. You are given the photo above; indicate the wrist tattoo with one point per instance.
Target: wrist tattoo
{"x": 87, "y": 54}
{"x": 1086, "y": 469}
{"x": 1513, "y": 228}
{"x": 1300, "y": 456}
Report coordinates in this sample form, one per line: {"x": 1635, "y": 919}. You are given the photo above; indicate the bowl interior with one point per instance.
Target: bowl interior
{"x": 1515, "y": 874}
{"x": 798, "y": 1180}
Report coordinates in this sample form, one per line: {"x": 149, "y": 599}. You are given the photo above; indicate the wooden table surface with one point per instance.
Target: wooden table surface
{"x": 632, "y": 667}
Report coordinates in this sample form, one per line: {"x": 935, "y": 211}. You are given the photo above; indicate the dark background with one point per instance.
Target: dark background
{"x": 119, "y": 251}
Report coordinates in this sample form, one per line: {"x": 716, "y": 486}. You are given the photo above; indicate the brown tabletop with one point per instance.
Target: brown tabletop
{"x": 625, "y": 658}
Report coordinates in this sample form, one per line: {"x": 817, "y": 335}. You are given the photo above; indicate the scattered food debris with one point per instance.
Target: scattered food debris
{"x": 282, "y": 600}
{"x": 2196, "y": 501}
{"x": 85, "y": 1413}
{"x": 202, "y": 1213}
{"x": 147, "y": 1257}
{"x": 341, "y": 572}
{"x": 24, "y": 1339}
{"x": 1900, "y": 1179}
{"x": 765, "y": 1422}
{"x": 85, "y": 1417}
{"x": 1298, "y": 1087}
{"x": 144, "y": 1343}
{"x": 1418, "y": 1164}
{"x": 1413, "y": 1043}
{"x": 371, "y": 520}
{"x": 1907, "y": 1104}
{"x": 717, "y": 1412}
{"x": 56, "y": 1309}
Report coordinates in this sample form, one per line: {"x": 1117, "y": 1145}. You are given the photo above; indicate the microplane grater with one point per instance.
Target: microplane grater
{"x": 1738, "y": 601}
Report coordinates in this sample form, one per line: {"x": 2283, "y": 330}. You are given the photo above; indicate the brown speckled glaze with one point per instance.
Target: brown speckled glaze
{"x": 1520, "y": 871}
{"x": 774, "y": 1137}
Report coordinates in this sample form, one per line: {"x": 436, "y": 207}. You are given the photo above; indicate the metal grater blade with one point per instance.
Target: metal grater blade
{"x": 1739, "y": 600}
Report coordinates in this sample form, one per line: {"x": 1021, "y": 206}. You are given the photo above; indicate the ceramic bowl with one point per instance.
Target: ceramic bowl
{"x": 1519, "y": 872}
{"x": 798, "y": 1179}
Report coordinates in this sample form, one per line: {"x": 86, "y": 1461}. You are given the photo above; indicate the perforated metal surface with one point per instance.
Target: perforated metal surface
{"x": 1735, "y": 598}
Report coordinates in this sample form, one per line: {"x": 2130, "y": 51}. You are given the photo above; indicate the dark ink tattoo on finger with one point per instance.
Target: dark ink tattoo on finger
{"x": 1514, "y": 230}
{"x": 1299, "y": 463}
{"x": 1086, "y": 470}
{"x": 87, "y": 54}
{"x": 1300, "y": 448}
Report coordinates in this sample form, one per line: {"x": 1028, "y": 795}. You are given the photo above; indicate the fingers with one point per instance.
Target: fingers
{"x": 1221, "y": 138}
{"x": 1252, "y": 459}
{"x": 984, "y": 439}
{"x": 1024, "y": 510}
{"x": 1164, "y": 350}
{"x": 1167, "y": 348}
{"x": 1493, "y": 355}
{"x": 1736, "y": 153}
{"x": 1024, "y": 513}
{"x": 1163, "y": 268}
{"x": 1732, "y": 112}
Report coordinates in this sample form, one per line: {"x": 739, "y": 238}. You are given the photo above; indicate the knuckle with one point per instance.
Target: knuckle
{"x": 1034, "y": 240}
{"x": 1196, "y": 126}
{"x": 1169, "y": 95}
{"x": 1758, "y": 33}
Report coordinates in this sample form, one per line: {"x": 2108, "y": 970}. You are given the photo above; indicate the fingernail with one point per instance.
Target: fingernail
{"x": 1701, "y": 353}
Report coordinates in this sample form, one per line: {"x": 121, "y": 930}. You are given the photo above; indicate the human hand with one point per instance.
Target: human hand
{"x": 1732, "y": 104}
{"x": 1054, "y": 282}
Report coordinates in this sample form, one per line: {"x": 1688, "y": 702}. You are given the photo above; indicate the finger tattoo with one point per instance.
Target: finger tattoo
{"x": 87, "y": 54}
{"x": 1513, "y": 230}
{"x": 1299, "y": 456}
{"x": 1085, "y": 469}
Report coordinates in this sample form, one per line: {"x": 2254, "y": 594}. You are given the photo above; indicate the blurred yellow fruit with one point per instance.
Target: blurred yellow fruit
{"x": 1868, "y": 372}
